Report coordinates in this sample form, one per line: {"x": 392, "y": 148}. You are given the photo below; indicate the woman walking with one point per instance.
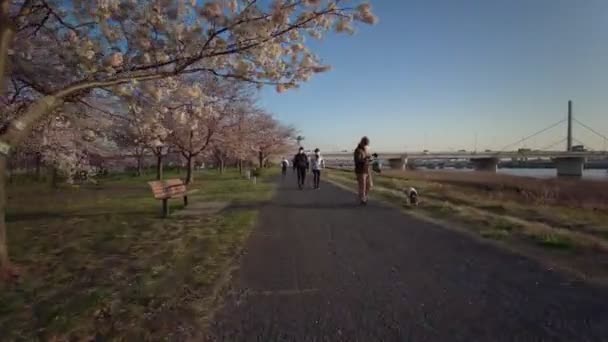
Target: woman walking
{"x": 317, "y": 164}
{"x": 362, "y": 160}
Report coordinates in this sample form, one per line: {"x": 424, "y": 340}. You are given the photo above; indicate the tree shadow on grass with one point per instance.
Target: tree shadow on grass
{"x": 46, "y": 215}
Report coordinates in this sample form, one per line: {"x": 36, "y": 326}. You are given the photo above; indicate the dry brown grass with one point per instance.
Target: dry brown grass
{"x": 578, "y": 193}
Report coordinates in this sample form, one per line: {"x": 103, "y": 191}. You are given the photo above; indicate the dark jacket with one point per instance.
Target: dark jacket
{"x": 300, "y": 161}
{"x": 362, "y": 160}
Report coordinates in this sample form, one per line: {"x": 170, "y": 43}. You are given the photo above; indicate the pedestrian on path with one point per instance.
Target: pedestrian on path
{"x": 300, "y": 163}
{"x": 317, "y": 164}
{"x": 284, "y": 166}
{"x": 362, "y": 160}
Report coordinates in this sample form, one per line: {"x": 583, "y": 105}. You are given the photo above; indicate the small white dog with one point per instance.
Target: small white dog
{"x": 412, "y": 195}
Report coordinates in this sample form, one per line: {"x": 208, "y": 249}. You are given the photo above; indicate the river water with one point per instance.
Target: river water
{"x": 591, "y": 174}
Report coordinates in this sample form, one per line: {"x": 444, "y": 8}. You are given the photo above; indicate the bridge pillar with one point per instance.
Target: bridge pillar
{"x": 397, "y": 163}
{"x": 489, "y": 164}
{"x": 569, "y": 166}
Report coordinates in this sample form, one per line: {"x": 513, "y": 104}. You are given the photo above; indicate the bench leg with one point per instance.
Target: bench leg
{"x": 165, "y": 208}
{"x": 185, "y": 201}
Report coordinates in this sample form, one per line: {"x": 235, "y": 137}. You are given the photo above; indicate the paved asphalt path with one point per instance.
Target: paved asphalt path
{"x": 318, "y": 267}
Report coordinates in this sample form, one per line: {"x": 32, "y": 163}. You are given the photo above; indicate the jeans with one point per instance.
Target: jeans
{"x": 301, "y": 176}
{"x": 317, "y": 177}
{"x": 365, "y": 183}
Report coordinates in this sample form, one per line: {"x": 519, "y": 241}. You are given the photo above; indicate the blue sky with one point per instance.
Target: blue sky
{"x": 442, "y": 74}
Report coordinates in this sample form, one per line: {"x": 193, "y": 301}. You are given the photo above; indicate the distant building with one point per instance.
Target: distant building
{"x": 578, "y": 148}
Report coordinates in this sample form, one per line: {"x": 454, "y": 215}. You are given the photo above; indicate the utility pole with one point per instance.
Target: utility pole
{"x": 475, "y": 147}
{"x": 425, "y": 141}
{"x": 569, "y": 139}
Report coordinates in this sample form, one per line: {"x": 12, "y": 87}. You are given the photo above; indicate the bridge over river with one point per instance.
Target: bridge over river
{"x": 567, "y": 163}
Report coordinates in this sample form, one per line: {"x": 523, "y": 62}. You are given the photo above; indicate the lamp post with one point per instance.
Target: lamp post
{"x": 159, "y": 151}
{"x": 299, "y": 139}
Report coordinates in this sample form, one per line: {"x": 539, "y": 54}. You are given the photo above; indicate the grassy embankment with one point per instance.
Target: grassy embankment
{"x": 98, "y": 261}
{"x": 564, "y": 221}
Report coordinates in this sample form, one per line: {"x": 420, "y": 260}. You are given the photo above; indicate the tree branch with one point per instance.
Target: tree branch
{"x": 102, "y": 110}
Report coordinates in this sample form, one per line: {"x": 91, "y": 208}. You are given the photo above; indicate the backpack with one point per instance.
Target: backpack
{"x": 359, "y": 156}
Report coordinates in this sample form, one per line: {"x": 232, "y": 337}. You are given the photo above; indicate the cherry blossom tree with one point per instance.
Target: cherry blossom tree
{"x": 231, "y": 141}
{"x": 55, "y": 140}
{"x": 269, "y": 137}
{"x": 198, "y": 111}
{"x": 63, "y": 50}
{"x": 147, "y": 126}
{"x": 127, "y": 138}
{"x": 239, "y": 139}
{"x": 63, "y": 143}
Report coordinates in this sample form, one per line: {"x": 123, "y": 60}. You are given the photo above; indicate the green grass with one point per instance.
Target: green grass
{"x": 554, "y": 241}
{"x": 98, "y": 261}
{"x": 495, "y": 234}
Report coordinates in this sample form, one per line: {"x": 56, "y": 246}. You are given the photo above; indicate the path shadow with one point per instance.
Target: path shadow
{"x": 247, "y": 206}
{"x": 292, "y": 189}
{"x": 332, "y": 206}
{"x": 46, "y": 215}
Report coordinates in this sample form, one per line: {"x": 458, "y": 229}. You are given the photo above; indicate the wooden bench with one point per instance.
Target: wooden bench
{"x": 170, "y": 188}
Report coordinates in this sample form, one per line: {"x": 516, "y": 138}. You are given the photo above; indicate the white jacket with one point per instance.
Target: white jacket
{"x": 317, "y": 162}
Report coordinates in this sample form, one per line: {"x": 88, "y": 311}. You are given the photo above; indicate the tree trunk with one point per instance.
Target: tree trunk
{"x": 11, "y": 165}
{"x": 6, "y": 36}
{"x": 221, "y": 160}
{"x": 159, "y": 166}
{"x": 261, "y": 159}
{"x": 53, "y": 180}
{"x": 38, "y": 161}
{"x": 4, "y": 260}
{"x": 139, "y": 165}
{"x": 240, "y": 166}
{"x": 189, "y": 169}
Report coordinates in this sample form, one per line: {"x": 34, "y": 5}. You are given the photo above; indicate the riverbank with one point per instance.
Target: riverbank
{"x": 540, "y": 173}
{"x": 563, "y": 223}
{"x": 578, "y": 193}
